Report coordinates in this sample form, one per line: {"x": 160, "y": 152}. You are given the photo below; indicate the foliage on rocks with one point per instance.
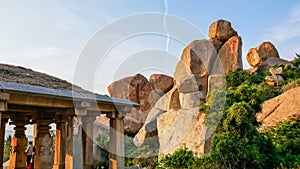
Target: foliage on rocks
{"x": 236, "y": 142}
{"x": 181, "y": 158}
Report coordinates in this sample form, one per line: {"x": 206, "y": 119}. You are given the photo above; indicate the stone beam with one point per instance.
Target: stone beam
{"x": 32, "y": 100}
{"x": 57, "y": 102}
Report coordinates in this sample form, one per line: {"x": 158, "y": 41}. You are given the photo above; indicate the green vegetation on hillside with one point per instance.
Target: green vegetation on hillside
{"x": 237, "y": 143}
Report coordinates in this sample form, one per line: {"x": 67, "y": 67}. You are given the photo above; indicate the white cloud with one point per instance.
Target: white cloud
{"x": 295, "y": 16}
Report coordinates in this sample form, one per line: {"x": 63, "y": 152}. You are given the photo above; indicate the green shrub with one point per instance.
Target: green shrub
{"x": 291, "y": 84}
{"x": 236, "y": 78}
{"x": 180, "y": 159}
{"x": 237, "y": 143}
{"x": 286, "y": 137}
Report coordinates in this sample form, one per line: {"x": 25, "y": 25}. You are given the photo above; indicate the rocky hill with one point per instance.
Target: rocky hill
{"x": 281, "y": 108}
{"x": 169, "y": 106}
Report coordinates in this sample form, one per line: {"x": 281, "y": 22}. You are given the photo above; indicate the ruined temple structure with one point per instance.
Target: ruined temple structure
{"x": 29, "y": 97}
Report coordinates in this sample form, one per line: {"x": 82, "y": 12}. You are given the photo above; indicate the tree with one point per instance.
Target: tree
{"x": 7, "y": 148}
{"x": 240, "y": 145}
{"x": 297, "y": 60}
{"x": 286, "y": 137}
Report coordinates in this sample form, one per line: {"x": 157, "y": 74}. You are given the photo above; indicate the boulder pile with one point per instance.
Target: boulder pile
{"x": 169, "y": 107}
{"x": 138, "y": 89}
{"x": 263, "y": 57}
{"x": 175, "y": 118}
{"x": 276, "y": 77}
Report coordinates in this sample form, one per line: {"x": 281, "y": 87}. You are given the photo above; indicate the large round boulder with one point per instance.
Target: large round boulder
{"x": 197, "y": 58}
{"x": 256, "y": 56}
{"x": 221, "y": 30}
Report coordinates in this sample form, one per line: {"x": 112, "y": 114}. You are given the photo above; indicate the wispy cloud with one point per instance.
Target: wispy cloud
{"x": 288, "y": 29}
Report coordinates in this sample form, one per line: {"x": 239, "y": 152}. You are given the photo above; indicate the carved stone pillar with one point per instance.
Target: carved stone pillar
{"x": 43, "y": 141}
{"x": 3, "y": 122}
{"x": 87, "y": 141}
{"x": 18, "y": 143}
{"x": 69, "y": 145}
{"x": 116, "y": 144}
{"x": 60, "y": 143}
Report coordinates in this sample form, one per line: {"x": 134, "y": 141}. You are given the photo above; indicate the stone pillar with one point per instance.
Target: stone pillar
{"x": 87, "y": 141}
{"x": 2, "y": 138}
{"x": 18, "y": 143}
{"x": 69, "y": 145}
{"x": 60, "y": 144}
{"x": 77, "y": 142}
{"x": 43, "y": 157}
{"x": 116, "y": 144}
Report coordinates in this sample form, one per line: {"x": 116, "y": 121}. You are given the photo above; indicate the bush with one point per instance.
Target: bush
{"x": 237, "y": 143}
{"x": 236, "y": 78}
{"x": 291, "y": 84}
{"x": 286, "y": 137}
{"x": 180, "y": 159}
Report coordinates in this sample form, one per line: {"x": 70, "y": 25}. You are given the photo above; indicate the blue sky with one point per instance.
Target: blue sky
{"x": 49, "y": 36}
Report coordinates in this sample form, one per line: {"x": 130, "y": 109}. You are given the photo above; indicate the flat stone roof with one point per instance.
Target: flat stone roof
{"x": 20, "y": 79}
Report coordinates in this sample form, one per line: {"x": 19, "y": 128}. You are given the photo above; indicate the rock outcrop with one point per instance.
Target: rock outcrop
{"x": 270, "y": 62}
{"x": 230, "y": 54}
{"x": 175, "y": 118}
{"x": 161, "y": 83}
{"x": 280, "y": 108}
{"x": 138, "y": 89}
{"x": 182, "y": 128}
{"x": 263, "y": 57}
{"x": 197, "y": 58}
{"x": 189, "y": 84}
{"x": 169, "y": 100}
{"x": 221, "y": 30}
{"x": 256, "y": 56}
{"x": 275, "y": 77}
